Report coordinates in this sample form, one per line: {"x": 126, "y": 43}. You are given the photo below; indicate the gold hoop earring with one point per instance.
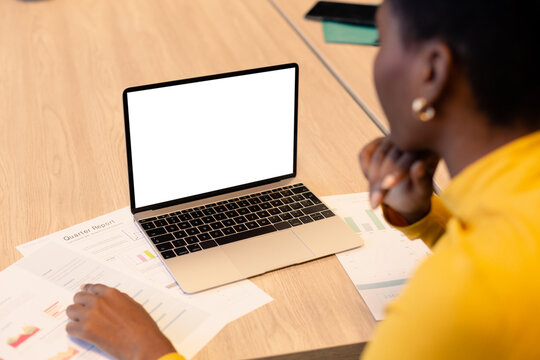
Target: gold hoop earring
{"x": 420, "y": 109}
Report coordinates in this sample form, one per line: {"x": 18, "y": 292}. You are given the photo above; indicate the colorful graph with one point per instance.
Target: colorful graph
{"x": 28, "y": 331}
{"x": 55, "y": 310}
{"x": 147, "y": 255}
{"x": 65, "y": 355}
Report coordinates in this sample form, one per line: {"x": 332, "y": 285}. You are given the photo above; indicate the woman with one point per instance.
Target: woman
{"x": 458, "y": 80}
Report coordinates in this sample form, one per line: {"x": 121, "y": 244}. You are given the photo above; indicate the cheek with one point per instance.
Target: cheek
{"x": 391, "y": 82}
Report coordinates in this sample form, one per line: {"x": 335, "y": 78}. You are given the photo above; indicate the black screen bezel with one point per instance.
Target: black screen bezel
{"x": 178, "y": 201}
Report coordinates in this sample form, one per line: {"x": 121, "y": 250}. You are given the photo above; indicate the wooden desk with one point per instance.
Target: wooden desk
{"x": 64, "y": 65}
{"x": 351, "y": 64}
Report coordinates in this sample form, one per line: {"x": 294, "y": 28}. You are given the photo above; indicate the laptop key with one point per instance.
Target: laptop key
{"x": 180, "y": 234}
{"x": 254, "y": 201}
{"x": 314, "y": 209}
{"x": 246, "y": 234}
{"x": 168, "y": 254}
{"x": 148, "y": 219}
{"x": 287, "y": 193}
{"x": 155, "y": 232}
{"x": 208, "y": 244}
{"x": 161, "y": 222}
{"x": 194, "y": 248}
{"x": 228, "y": 231}
{"x": 196, "y": 222}
{"x": 165, "y": 246}
{"x": 185, "y": 217}
{"x": 300, "y": 189}
{"x": 265, "y": 206}
{"x": 263, "y": 222}
{"x": 263, "y": 214}
{"x": 306, "y": 219}
{"x": 243, "y": 203}
{"x": 254, "y": 208}
{"x": 220, "y": 208}
{"x": 311, "y": 196}
{"x": 203, "y": 237}
{"x": 220, "y": 216}
{"x": 240, "y": 219}
{"x": 285, "y": 208}
{"x": 208, "y": 219}
{"x": 231, "y": 213}
{"x": 295, "y": 222}
{"x": 184, "y": 225}
{"x": 216, "y": 233}
{"x": 181, "y": 251}
{"x": 162, "y": 238}
{"x": 274, "y": 219}
{"x": 240, "y": 227}
{"x": 287, "y": 200}
{"x": 173, "y": 220}
{"x": 197, "y": 214}
{"x": 178, "y": 243}
{"x": 148, "y": 225}
{"x": 306, "y": 203}
{"x": 252, "y": 217}
{"x": 296, "y": 213}
{"x": 298, "y": 198}
{"x": 276, "y": 203}
{"x": 243, "y": 211}
{"x": 274, "y": 211}
{"x": 192, "y": 231}
{"x": 276, "y": 195}
{"x": 317, "y": 216}
{"x": 204, "y": 228}
{"x": 265, "y": 198}
{"x": 296, "y": 206}
{"x": 252, "y": 225}
{"x": 231, "y": 206}
{"x": 228, "y": 222}
{"x": 327, "y": 213}
{"x": 217, "y": 225}
{"x": 282, "y": 225}
{"x": 209, "y": 211}
{"x": 191, "y": 240}
{"x": 286, "y": 216}
{"x": 171, "y": 228}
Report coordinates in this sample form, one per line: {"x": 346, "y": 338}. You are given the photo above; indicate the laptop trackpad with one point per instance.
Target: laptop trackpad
{"x": 267, "y": 252}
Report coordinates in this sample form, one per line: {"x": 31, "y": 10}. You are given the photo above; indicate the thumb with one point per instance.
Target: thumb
{"x": 421, "y": 176}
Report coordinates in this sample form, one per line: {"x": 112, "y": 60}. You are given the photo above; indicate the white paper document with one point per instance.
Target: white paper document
{"x": 115, "y": 239}
{"x": 37, "y": 289}
{"x": 380, "y": 268}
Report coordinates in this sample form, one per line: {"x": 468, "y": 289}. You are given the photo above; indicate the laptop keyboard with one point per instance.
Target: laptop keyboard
{"x": 203, "y": 227}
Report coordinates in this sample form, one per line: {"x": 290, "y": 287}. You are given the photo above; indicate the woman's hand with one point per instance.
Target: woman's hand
{"x": 400, "y": 180}
{"x": 115, "y": 323}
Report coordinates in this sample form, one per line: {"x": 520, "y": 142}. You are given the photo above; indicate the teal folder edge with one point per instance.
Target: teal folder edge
{"x": 336, "y": 32}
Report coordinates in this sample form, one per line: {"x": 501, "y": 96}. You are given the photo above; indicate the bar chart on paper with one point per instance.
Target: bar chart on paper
{"x": 381, "y": 267}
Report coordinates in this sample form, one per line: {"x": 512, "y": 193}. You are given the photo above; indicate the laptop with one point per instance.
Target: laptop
{"x": 212, "y": 177}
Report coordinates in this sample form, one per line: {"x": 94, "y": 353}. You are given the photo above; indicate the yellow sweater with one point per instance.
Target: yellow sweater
{"x": 478, "y": 295}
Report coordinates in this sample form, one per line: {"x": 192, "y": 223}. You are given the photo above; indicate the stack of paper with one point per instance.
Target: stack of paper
{"x": 380, "y": 268}
{"x": 109, "y": 250}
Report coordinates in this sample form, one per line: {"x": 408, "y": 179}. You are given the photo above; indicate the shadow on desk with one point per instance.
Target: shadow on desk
{"x": 345, "y": 352}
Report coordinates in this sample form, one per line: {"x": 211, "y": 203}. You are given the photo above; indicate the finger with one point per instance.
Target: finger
{"x": 399, "y": 171}
{"x": 376, "y": 160}
{"x": 84, "y": 298}
{"x": 96, "y": 289}
{"x": 75, "y": 312}
{"x": 422, "y": 175}
{"x": 366, "y": 154}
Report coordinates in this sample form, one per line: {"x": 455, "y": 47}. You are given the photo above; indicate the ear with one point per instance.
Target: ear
{"x": 434, "y": 66}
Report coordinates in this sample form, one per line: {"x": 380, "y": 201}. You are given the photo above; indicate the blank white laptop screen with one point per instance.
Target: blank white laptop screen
{"x": 198, "y": 137}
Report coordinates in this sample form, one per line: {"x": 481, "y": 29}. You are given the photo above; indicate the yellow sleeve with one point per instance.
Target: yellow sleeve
{"x": 431, "y": 227}
{"x": 172, "y": 356}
